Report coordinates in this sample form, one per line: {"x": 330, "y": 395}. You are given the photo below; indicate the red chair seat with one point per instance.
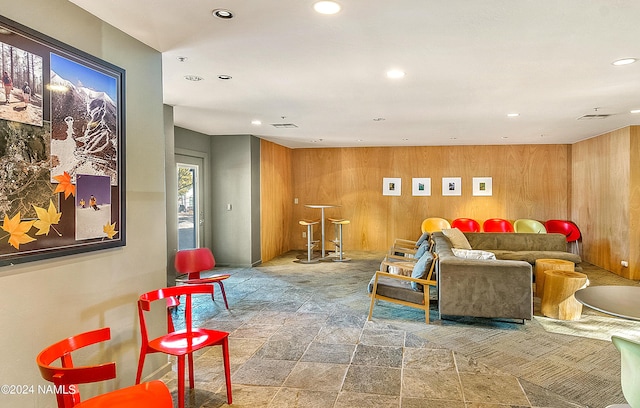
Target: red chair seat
{"x": 497, "y": 225}
{"x": 182, "y": 342}
{"x": 466, "y": 224}
{"x": 152, "y": 394}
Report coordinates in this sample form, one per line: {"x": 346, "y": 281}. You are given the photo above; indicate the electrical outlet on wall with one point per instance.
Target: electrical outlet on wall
{"x": 304, "y": 234}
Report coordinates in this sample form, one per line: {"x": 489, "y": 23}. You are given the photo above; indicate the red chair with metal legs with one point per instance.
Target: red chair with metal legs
{"x": 497, "y": 225}
{"x": 466, "y": 225}
{"x": 191, "y": 262}
{"x": 568, "y": 228}
{"x": 67, "y": 377}
{"x": 181, "y": 343}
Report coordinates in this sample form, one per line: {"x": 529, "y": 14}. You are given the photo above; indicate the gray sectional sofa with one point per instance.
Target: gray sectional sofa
{"x": 522, "y": 246}
{"x": 500, "y": 288}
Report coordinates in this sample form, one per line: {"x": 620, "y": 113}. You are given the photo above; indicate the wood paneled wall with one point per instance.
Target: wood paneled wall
{"x": 606, "y": 199}
{"x": 529, "y": 181}
{"x": 276, "y": 199}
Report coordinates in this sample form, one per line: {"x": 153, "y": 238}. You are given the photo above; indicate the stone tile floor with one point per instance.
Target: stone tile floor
{"x": 299, "y": 337}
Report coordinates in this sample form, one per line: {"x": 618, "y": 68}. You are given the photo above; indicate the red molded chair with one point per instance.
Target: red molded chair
{"x": 497, "y": 225}
{"x": 568, "y": 228}
{"x": 191, "y": 262}
{"x": 67, "y": 377}
{"x": 466, "y": 225}
{"x": 181, "y": 343}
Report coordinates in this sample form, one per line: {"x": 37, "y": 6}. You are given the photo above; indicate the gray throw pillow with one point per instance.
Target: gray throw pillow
{"x": 421, "y": 270}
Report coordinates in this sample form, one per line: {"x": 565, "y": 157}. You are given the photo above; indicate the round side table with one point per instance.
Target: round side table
{"x": 545, "y": 264}
{"x": 559, "y": 301}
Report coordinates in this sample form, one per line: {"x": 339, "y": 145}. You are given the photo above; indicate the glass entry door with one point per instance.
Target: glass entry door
{"x": 190, "y": 206}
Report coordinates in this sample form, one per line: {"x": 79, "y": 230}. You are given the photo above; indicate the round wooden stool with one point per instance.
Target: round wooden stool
{"x": 548, "y": 265}
{"x": 559, "y": 301}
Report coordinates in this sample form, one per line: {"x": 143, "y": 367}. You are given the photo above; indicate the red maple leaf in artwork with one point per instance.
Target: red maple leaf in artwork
{"x": 64, "y": 185}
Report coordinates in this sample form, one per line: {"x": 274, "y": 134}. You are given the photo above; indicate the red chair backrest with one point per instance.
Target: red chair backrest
{"x": 568, "y": 228}
{"x": 145, "y": 300}
{"x": 497, "y": 225}
{"x": 466, "y": 225}
{"x": 194, "y": 261}
{"x": 67, "y": 377}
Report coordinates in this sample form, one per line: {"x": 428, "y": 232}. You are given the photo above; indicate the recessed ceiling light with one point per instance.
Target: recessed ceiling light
{"x": 256, "y": 122}
{"x": 513, "y": 115}
{"x": 326, "y": 7}
{"x": 624, "y": 61}
{"x": 224, "y": 77}
{"x": 634, "y": 111}
{"x": 395, "y": 74}
{"x": 222, "y": 13}
{"x": 193, "y": 78}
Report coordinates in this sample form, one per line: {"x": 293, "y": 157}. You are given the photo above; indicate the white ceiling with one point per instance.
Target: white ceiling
{"x": 468, "y": 64}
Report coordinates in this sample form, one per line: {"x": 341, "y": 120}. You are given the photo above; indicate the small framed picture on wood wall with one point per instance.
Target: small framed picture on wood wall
{"x": 391, "y": 186}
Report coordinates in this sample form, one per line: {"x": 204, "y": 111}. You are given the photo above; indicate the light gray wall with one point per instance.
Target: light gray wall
{"x": 235, "y": 167}
{"x": 233, "y": 178}
{"x": 46, "y": 301}
{"x": 171, "y": 182}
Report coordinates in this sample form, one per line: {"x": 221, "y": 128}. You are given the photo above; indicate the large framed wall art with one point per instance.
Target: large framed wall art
{"x": 61, "y": 148}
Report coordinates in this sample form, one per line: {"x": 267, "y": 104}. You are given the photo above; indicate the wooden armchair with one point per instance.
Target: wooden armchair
{"x": 412, "y": 291}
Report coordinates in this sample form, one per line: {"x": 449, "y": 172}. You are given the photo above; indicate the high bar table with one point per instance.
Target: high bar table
{"x": 321, "y": 207}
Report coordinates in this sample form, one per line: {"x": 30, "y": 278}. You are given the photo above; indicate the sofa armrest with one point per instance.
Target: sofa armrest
{"x": 485, "y": 288}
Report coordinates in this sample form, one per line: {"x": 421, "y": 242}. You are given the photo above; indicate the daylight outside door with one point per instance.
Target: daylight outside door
{"x": 190, "y": 208}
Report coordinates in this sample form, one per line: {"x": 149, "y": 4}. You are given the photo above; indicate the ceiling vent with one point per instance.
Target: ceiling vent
{"x": 284, "y": 125}
{"x": 594, "y": 116}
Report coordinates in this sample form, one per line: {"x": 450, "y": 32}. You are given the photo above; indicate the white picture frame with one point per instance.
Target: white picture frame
{"x": 451, "y": 186}
{"x": 421, "y": 186}
{"x": 483, "y": 186}
{"x": 392, "y": 186}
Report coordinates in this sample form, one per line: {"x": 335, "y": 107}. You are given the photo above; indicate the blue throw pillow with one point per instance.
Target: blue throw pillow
{"x": 421, "y": 250}
{"x": 422, "y": 239}
{"x": 421, "y": 269}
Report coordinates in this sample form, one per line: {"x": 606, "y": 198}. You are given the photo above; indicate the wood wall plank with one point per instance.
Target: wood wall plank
{"x": 601, "y": 173}
{"x": 276, "y": 199}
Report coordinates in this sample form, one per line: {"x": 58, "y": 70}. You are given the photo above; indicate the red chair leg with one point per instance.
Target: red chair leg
{"x": 227, "y": 370}
{"x": 190, "y": 358}
{"x": 224, "y": 295}
{"x": 180, "y": 381}
{"x": 140, "y": 366}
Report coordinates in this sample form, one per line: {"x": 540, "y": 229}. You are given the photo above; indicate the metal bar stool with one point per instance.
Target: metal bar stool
{"x": 338, "y": 223}
{"x": 310, "y": 242}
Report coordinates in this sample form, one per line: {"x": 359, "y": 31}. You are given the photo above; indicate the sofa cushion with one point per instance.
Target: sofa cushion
{"x": 531, "y": 256}
{"x": 473, "y": 253}
{"x": 396, "y": 289}
{"x": 457, "y": 238}
{"x": 421, "y": 270}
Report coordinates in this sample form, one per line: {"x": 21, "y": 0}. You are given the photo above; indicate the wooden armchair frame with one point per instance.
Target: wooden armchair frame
{"x": 426, "y": 284}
